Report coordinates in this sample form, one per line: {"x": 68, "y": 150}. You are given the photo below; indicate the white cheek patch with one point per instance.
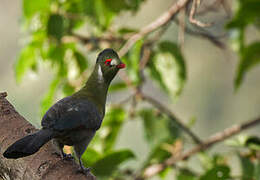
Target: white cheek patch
{"x": 113, "y": 62}
{"x": 100, "y": 74}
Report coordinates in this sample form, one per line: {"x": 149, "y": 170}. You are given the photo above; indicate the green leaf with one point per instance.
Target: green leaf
{"x": 126, "y": 30}
{"x": 56, "y": 54}
{"x": 156, "y": 75}
{"x": 238, "y": 141}
{"x": 221, "y": 172}
{"x": 47, "y": 101}
{"x": 157, "y": 127}
{"x": 26, "y": 61}
{"x": 158, "y": 154}
{"x": 55, "y": 27}
{"x": 112, "y": 124}
{"x": 116, "y": 5}
{"x": 111, "y": 162}
{"x": 31, "y": 7}
{"x": 90, "y": 156}
{"x": 132, "y": 61}
{"x": 247, "y": 13}
{"x": 68, "y": 89}
{"x": 186, "y": 174}
{"x": 118, "y": 86}
{"x": 81, "y": 61}
{"x": 99, "y": 13}
{"x": 247, "y": 168}
{"x": 170, "y": 64}
{"x": 250, "y": 57}
{"x": 257, "y": 170}
{"x": 253, "y": 143}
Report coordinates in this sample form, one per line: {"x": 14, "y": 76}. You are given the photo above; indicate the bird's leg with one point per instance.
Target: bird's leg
{"x": 83, "y": 169}
{"x": 79, "y": 150}
{"x": 59, "y": 147}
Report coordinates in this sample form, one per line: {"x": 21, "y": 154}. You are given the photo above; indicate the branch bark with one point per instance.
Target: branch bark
{"x": 44, "y": 164}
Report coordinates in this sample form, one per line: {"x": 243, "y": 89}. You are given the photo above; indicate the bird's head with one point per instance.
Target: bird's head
{"x": 108, "y": 64}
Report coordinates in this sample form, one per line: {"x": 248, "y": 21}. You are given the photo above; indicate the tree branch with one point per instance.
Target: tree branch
{"x": 160, "y": 21}
{"x": 195, "y": 5}
{"x": 218, "y": 137}
{"x": 42, "y": 165}
{"x": 172, "y": 116}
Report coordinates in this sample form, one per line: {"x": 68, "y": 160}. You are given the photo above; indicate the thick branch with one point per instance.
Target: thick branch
{"x": 44, "y": 164}
{"x": 218, "y": 137}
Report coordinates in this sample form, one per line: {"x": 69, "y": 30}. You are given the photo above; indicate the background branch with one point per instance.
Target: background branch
{"x": 160, "y": 21}
{"x": 172, "y": 116}
{"x": 44, "y": 164}
{"x": 218, "y": 137}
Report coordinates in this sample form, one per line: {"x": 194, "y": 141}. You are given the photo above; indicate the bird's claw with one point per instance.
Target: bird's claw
{"x": 67, "y": 157}
{"x": 84, "y": 170}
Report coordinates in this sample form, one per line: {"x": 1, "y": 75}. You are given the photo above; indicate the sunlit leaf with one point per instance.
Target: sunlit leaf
{"x": 250, "y": 57}
{"x": 170, "y": 64}
{"x": 30, "y": 7}
{"x": 253, "y": 142}
{"x": 26, "y": 61}
{"x": 238, "y": 141}
{"x": 110, "y": 162}
{"x": 156, "y": 75}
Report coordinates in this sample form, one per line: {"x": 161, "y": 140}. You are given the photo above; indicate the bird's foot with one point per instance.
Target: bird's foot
{"x": 84, "y": 170}
{"x": 67, "y": 157}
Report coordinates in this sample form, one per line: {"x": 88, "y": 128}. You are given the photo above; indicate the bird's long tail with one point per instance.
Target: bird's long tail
{"x": 28, "y": 145}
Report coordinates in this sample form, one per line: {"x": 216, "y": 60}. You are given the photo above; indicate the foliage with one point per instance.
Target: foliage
{"x": 247, "y": 14}
{"x": 53, "y": 28}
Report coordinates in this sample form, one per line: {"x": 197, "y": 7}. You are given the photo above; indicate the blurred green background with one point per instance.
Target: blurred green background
{"x": 208, "y": 95}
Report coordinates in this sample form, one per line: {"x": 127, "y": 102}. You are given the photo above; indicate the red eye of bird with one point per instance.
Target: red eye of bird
{"x": 108, "y": 61}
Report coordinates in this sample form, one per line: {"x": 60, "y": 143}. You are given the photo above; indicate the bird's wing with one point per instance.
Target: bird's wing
{"x": 72, "y": 114}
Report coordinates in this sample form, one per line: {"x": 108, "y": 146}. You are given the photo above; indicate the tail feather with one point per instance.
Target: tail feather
{"x": 28, "y": 145}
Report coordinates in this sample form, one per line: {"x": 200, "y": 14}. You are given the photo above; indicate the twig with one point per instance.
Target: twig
{"x": 215, "y": 6}
{"x": 194, "y": 6}
{"x": 86, "y": 40}
{"x": 172, "y": 116}
{"x": 181, "y": 30}
{"x": 207, "y": 35}
{"x": 218, "y": 137}
{"x": 160, "y": 21}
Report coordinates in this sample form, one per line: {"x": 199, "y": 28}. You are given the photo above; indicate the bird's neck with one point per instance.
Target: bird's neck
{"x": 96, "y": 89}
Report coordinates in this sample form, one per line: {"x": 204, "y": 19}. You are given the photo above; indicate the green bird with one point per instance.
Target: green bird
{"x": 75, "y": 119}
